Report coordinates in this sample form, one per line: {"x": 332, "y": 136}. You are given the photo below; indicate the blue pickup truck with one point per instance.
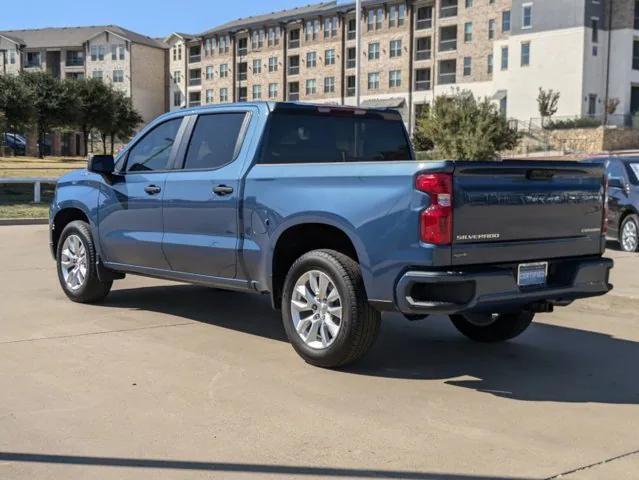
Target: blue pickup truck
{"x": 326, "y": 210}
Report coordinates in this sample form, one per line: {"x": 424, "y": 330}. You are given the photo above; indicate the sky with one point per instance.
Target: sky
{"x": 156, "y": 18}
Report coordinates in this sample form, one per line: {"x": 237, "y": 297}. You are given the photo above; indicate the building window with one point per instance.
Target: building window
{"x": 311, "y": 60}
{"x": 505, "y": 21}
{"x": 448, "y": 38}
{"x": 395, "y": 48}
{"x": 489, "y": 64}
{"x": 97, "y": 74}
{"x": 636, "y": 22}
{"x": 330, "y": 27}
{"x": 242, "y": 47}
{"x": 373, "y": 81}
{"x": 329, "y": 57}
{"x": 177, "y": 76}
{"x": 350, "y": 86}
{"x": 12, "y": 57}
{"x": 195, "y": 99}
{"x": 352, "y": 29}
{"x": 207, "y": 47}
{"x": 373, "y": 51}
{"x": 351, "y": 57}
{"x": 177, "y": 99}
{"x": 375, "y": 19}
{"x": 257, "y": 92}
{"x": 224, "y": 70}
{"x": 504, "y": 58}
{"x": 447, "y": 72}
{"x": 272, "y": 90}
{"x": 209, "y": 96}
{"x": 423, "y": 50}
{"x": 75, "y": 58}
{"x": 635, "y": 55}
{"x": 468, "y": 32}
{"x": 469, "y": 3}
{"x": 595, "y": 30}
{"x": 448, "y": 8}
{"x": 491, "y": 29}
{"x": 468, "y": 66}
{"x": 209, "y": 72}
{"x": 272, "y": 64}
{"x": 195, "y": 76}
{"x": 117, "y": 52}
{"x": 311, "y": 86}
{"x": 526, "y": 15}
{"x": 592, "y": 104}
{"x": 121, "y": 50}
{"x": 397, "y": 15}
{"x": 424, "y": 18}
{"x": 118, "y": 76}
{"x": 174, "y": 53}
{"x": 224, "y": 95}
{"x": 257, "y": 66}
{"x": 294, "y": 91}
{"x": 329, "y": 85}
{"x": 294, "y": 38}
{"x": 422, "y": 79}
{"x": 242, "y": 71}
{"x": 525, "y": 54}
{"x": 294, "y": 65}
{"x": 395, "y": 78}
{"x": 242, "y": 94}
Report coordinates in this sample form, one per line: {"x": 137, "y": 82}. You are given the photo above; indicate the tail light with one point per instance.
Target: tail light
{"x": 604, "y": 225}
{"x": 436, "y": 222}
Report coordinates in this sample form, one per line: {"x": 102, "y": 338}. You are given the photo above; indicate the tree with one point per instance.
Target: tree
{"x": 93, "y": 98}
{"x": 120, "y": 119}
{"x": 547, "y": 102}
{"x": 53, "y": 103}
{"x": 16, "y": 103}
{"x": 463, "y": 128}
{"x": 421, "y": 142}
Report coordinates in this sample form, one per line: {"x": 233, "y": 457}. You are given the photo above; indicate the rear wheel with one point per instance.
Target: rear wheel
{"x": 629, "y": 237}
{"x": 492, "y": 327}
{"x": 326, "y": 314}
{"x": 76, "y": 265}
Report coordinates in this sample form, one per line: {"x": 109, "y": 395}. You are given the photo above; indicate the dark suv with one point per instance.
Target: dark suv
{"x": 623, "y": 202}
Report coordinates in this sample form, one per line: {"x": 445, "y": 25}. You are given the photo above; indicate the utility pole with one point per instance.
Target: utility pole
{"x": 358, "y": 49}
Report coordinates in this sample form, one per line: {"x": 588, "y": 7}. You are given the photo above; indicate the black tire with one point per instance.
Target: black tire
{"x": 360, "y": 322}
{"x": 504, "y": 326}
{"x": 632, "y": 246}
{"x": 92, "y": 290}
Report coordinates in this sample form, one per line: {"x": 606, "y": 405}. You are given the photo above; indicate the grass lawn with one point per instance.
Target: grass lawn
{"x": 16, "y": 201}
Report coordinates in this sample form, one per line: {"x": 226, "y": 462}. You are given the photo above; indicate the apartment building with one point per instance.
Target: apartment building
{"x": 413, "y": 50}
{"x": 132, "y": 63}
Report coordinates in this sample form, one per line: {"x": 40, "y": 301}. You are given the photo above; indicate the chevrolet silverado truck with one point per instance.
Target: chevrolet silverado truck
{"x": 326, "y": 210}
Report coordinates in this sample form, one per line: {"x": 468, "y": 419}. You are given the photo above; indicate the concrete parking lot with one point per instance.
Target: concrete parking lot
{"x": 171, "y": 381}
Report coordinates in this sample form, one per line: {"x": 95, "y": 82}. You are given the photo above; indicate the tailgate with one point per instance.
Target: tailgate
{"x": 522, "y": 210}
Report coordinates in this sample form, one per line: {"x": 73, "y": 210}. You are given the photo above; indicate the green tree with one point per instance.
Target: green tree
{"x": 464, "y": 128}
{"x": 53, "y": 102}
{"x": 421, "y": 142}
{"x": 93, "y": 104}
{"x": 547, "y": 103}
{"x": 119, "y": 121}
{"x": 16, "y": 103}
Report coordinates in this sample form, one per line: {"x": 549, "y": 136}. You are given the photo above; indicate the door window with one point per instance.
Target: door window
{"x": 214, "y": 140}
{"x": 153, "y": 152}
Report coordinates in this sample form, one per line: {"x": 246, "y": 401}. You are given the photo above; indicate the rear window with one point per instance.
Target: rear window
{"x": 343, "y": 136}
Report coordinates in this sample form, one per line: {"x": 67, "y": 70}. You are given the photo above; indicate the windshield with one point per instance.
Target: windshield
{"x": 634, "y": 170}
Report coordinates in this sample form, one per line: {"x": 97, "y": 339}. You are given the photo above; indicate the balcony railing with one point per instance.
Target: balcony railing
{"x": 242, "y": 52}
{"x": 195, "y": 104}
{"x": 447, "y": 11}
{"x": 195, "y": 58}
{"x": 423, "y": 55}
{"x": 74, "y": 62}
{"x": 424, "y": 23}
{"x": 293, "y": 70}
{"x": 351, "y": 35}
{"x": 448, "y": 45}
{"x": 241, "y": 76}
{"x": 195, "y": 81}
{"x": 293, "y": 97}
{"x": 351, "y": 63}
{"x": 447, "y": 78}
{"x": 421, "y": 85}
{"x": 294, "y": 44}
{"x": 350, "y": 92}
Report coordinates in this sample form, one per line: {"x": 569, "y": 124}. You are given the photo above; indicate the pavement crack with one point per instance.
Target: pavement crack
{"x": 58, "y": 337}
{"x": 592, "y": 465}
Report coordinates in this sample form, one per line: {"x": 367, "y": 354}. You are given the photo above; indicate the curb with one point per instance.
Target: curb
{"x": 5, "y": 222}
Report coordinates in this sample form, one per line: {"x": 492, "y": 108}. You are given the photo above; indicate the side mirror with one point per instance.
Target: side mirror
{"x": 103, "y": 164}
{"x": 615, "y": 183}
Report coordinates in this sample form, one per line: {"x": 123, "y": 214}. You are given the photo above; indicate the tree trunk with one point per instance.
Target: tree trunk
{"x": 40, "y": 141}
{"x": 112, "y": 142}
{"x": 85, "y": 138}
{"x": 104, "y": 148}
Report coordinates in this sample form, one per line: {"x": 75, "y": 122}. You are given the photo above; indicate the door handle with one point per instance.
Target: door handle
{"x": 152, "y": 189}
{"x": 222, "y": 190}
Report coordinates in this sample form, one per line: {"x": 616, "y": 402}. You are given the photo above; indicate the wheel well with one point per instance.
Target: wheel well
{"x": 62, "y": 219}
{"x": 300, "y": 239}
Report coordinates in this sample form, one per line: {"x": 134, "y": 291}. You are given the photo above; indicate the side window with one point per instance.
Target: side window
{"x": 616, "y": 170}
{"x": 153, "y": 151}
{"x": 214, "y": 140}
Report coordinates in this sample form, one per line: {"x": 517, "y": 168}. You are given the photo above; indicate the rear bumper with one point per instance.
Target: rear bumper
{"x": 494, "y": 288}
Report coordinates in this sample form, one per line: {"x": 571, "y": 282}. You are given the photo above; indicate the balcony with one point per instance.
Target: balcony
{"x": 424, "y": 19}
{"x": 423, "y": 54}
{"x": 195, "y": 104}
{"x": 448, "y": 45}
{"x": 242, "y": 52}
{"x": 294, "y": 44}
{"x": 351, "y": 63}
{"x": 350, "y": 92}
{"x": 448, "y": 9}
{"x": 351, "y": 35}
{"x": 424, "y": 24}
{"x": 195, "y": 58}
{"x": 195, "y": 81}
{"x": 293, "y": 70}
{"x": 293, "y": 97}
{"x": 447, "y": 78}
{"x": 422, "y": 85}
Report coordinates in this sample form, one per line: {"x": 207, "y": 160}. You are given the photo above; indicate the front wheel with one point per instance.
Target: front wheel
{"x": 629, "y": 238}
{"x": 76, "y": 265}
{"x": 492, "y": 327}
{"x": 326, "y": 314}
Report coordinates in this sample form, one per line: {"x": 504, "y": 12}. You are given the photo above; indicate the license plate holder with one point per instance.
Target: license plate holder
{"x": 532, "y": 274}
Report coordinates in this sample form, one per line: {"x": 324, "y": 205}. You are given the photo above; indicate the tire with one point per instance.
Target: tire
{"x": 80, "y": 289}
{"x": 359, "y": 323}
{"x": 629, "y": 234}
{"x": 499, "y": 328}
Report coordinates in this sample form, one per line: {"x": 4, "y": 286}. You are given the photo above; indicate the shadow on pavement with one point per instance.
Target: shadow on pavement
{"x": 547, "y": 363}
{"x": 234, "y": 467}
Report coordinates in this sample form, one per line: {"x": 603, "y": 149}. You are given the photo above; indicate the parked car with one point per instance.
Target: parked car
{"x": 326, "y": 210}
{"x": 623, "y": 201}
{"x": 15, "y": 142}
